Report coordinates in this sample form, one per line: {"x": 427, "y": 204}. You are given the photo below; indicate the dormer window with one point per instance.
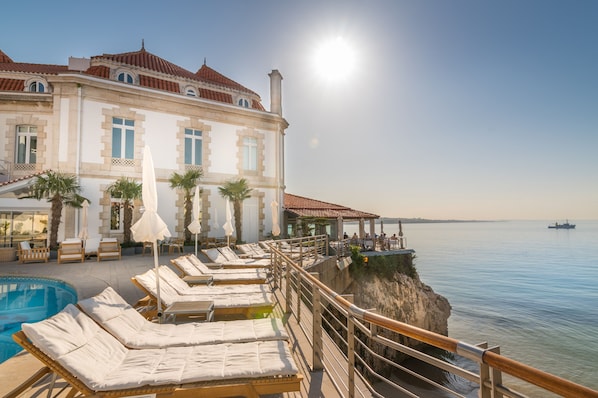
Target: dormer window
{"x": 125, "y": 77}
{"x": 244, "y": 102}
{"x": 37, "y": 85}
{"x": 191, "y": 92}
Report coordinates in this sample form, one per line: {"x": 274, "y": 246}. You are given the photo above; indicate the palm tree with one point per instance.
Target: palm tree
{"x": 187, "y": 183}
{"x": 236, "y": 191}
{"x": 126, "y": 190}
{"x": 60, "y": 189}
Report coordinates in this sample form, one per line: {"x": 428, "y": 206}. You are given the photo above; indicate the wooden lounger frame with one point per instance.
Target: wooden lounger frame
{"x": 247, "y": 312}
{"x": 236, "y": 387}
{"x": 254, "y": 281}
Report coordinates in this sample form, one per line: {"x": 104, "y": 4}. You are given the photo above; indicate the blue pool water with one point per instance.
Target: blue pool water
{"x": 28, "y": 300}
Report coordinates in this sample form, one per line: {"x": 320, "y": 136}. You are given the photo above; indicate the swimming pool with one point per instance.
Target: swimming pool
{"x": 25, "y": 299}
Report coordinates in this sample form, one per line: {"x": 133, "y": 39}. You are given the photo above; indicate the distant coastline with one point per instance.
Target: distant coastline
{"x": 393, "y": 220}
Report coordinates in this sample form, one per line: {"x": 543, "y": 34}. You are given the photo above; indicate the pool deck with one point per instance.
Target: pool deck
{"x": 92, "y": 277}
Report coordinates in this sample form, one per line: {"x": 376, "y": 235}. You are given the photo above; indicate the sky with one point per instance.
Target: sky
{"x": 444, "y": 109}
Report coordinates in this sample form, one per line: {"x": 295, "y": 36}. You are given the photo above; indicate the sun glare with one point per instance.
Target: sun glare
{"x": 334, "y": 59}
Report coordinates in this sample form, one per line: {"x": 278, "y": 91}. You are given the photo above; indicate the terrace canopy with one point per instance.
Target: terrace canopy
{"x": 320, "y": 217}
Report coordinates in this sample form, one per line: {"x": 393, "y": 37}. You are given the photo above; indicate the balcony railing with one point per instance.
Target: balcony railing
{"x": 358, "y": 348}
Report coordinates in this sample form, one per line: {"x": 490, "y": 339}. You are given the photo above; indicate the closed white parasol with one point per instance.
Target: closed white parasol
{"x": 275, "y": 224}
{"x": 228, "y": 225}
{"x": 150, "y": 227}
{"x": 195, "y": 226}
{"x": 83, "y": 234}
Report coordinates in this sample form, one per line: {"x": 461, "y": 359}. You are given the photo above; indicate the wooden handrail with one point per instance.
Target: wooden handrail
{"x": 514, "y": 368}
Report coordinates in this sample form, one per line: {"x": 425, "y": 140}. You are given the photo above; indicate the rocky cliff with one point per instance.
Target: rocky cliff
{"x": 404, "y": 298}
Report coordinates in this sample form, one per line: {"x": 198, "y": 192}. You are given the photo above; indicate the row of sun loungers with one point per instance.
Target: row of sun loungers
{"x": 104, "y": 347}
{"x": 227, "y": 258}
{"x": 192, "y": 266}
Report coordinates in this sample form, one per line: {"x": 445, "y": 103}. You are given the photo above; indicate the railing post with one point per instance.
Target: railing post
{"x": 274, "y": 269}
{"x": 495, "y": 376}
{"x": 288, "y": 289}
{"x": 351, "y": 355}
{"x": 298, "y": 311}
{"x": 317, "y": 357}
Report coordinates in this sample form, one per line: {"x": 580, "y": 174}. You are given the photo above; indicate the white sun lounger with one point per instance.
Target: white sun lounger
{"x": 181, "y": 287}
{"x": 95, "y": 363}
{"x": 192, "y": 266}
{"x": 247, "y": 305}
{"x": 122, "y": 321}
{"x": 253, "y": 250}
{"x": 216, "y": 256}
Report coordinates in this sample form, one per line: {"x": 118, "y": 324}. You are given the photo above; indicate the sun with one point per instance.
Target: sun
{"x": 334, "y": 59}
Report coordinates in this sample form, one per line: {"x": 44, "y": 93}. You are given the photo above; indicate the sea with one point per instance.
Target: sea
{"x": 519, "y": 285}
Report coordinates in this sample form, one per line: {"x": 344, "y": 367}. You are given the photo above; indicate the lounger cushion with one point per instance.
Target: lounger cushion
{"x": 168, "y": 295}
{"x": 181, "y": 287}
{"x": 103, "y": 364}
{"x": 115, "y": 315}
{"x": 215, "y": 255}
{"x": 204, "y": 268}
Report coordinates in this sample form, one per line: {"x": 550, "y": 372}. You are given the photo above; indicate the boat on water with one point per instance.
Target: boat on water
{"x": 562, "y": 226}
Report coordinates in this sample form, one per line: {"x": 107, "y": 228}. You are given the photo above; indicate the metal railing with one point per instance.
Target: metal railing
{"x": 364, "y": 352}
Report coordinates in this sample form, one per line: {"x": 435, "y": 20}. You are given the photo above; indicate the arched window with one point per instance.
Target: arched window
{"x": 243, "y": 102}
{"x": 37, "y": 87}
{"x": 191, "y": 92}
{"x": 125, "y": 77}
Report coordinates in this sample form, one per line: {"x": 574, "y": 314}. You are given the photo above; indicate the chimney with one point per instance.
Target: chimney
{"x": 79, "y": 64}
{"x": 275, "y": 92}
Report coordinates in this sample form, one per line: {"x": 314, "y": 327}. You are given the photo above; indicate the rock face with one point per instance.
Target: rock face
{"x": 403, "y": 298}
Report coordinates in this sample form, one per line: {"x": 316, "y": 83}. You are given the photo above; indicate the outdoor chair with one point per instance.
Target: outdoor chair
{"x": 109, "y": 249}
{"x": 146, "y": 246}
{"x": 71, "y": 250}
{"x": 121, "y": 320}
{"x": 94, "y": 363}
{"x": 28, "y": 254}
{"x": 174, "y": 244}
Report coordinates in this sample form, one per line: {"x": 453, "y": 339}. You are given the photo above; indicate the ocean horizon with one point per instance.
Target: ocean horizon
{"x": 515, "y": 284}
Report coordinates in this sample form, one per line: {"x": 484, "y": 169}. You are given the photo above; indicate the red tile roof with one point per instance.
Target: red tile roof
{"x": 305, "y": 207}
{"x": 27, "y": 177}
{"x": 210, "y": 75}
{"x": 147, "y": 60}
{"x": 99, "y": 71}
{"x": 12, "y": 84}
{"x": 4, "y": 58}
{"x": 43, "y": 69}
{"x": 160, "y": 84}
{"x": 215, "y": 95}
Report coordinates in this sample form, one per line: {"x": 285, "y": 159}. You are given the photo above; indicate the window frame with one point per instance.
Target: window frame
{"x": 193, "y": 138}
{"x": 250, "y": 153}
{"x": 29, "y": 151}
{"x": 243, "y": 103}
{"x": 126, "y": 146}
{"x": 128, "y": 78}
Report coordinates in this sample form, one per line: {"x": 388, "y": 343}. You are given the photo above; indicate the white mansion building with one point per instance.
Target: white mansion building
{"x": 93, "y": 118}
